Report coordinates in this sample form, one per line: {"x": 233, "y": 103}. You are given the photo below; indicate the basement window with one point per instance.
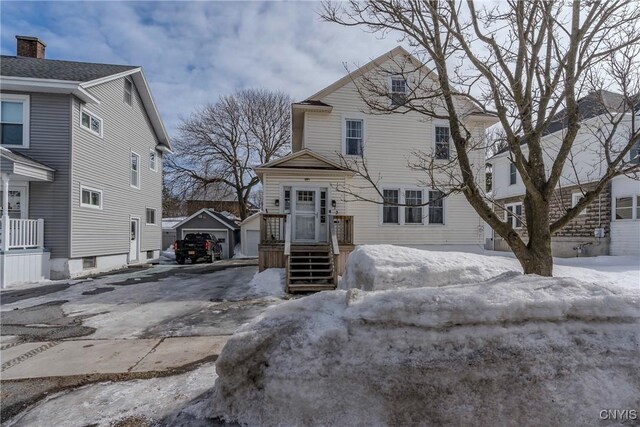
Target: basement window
{"x": 88, "y": 262}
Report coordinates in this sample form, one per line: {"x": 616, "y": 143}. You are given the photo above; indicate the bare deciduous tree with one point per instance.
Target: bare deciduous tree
{"x": 531, "y": 63}
{"x": 220, "y": 144}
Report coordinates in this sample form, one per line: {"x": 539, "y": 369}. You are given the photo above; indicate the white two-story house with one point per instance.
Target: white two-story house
{"x": 306, "y": 205}
{"x": 81, "y": 167}
{"x": 610, "y": 225}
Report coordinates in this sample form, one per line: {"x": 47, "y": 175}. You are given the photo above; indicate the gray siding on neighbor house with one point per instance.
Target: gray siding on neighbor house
{"x": 104, "y": 164}
{"x": 49, "y": 143}
{"x": 207, "y": 222}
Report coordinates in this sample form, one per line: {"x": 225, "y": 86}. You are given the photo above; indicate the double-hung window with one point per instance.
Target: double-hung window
{"x": 513, "y": 173}
{"x": 575, "y": 199}
{"x": 354, "y": 134}
{"x": 128, "y": 91}
{"x": 14, "y": 120}
{"x": 390, "y": 208}
{"x": 627, "y": 207}
{"x": 91, "y": 122}
{"x": 513, "y": 215}
{"x": 153, "y": 160}
{"x": 398, "y": 91}
{"x": 90, "y": 198}
{"x": 413, "y": 208}
{"x": 151, "y": 216}
{"x": 436, "y": 207}
{"x": 442, "y": 138}
{"x": 135, "y": 170}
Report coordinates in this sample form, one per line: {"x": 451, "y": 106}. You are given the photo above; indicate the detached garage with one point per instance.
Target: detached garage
{"x": 250, "y": 235}
{"x": 214, "y": 223}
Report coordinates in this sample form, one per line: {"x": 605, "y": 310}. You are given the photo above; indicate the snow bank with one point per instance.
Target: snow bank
{"x": 378, "y": 267}
{"x": 270, "y": 282}
{"x": 515, "y": 348}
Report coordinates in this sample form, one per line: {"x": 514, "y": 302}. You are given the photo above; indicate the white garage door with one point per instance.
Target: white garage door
{"x": 219, "y": 234}
{"x": 251, "y": 245}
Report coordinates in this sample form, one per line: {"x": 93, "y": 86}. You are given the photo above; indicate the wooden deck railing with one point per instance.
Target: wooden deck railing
{"x": 272, "y": 228}
{"x": 343, "y": 225}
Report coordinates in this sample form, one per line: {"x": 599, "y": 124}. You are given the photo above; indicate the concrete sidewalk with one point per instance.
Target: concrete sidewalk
{"x": 116, "y": 356}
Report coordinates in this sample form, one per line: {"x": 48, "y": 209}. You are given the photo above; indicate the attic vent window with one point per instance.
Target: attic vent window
{"x": 398, "y": 91}
{"x": 128, "y": 91}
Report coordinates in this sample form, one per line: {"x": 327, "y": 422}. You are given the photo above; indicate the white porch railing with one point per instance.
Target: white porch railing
{"x": 23, "y": 234}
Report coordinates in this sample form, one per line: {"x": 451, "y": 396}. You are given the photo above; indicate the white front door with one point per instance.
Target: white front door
{"x": 305, "y": 205}
{"x": 135, "y": 240}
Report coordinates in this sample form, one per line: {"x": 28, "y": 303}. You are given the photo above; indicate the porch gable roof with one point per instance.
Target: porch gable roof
{"x": 19, "y": 164}
{"x": 304, "y": 159}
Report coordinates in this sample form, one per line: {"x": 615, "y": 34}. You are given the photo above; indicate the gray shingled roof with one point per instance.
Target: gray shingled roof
{"x": 53, "y": 69}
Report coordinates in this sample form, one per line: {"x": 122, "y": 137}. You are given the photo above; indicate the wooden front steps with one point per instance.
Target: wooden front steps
{"x": 310, "y": 268}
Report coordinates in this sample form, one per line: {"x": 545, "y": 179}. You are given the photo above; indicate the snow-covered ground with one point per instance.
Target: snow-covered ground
{"x": 270, "y": 282}
{"x": 452, "y": 339}
{"x": 379, "y": 267}
{"x": 174, "y": 400}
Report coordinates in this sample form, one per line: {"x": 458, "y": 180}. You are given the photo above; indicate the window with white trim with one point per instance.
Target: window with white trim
{"x": 436, "y": 207}
{"x": 91, "y": 122}
{"x": 153, "y": 160}
{"x": 14, "y": 120}
{"x": 390, "y": 208}
{"x": 442, "y": 142}
{"x": 513, "y": 173}
{"x": 128, "y": 91}
{"x": 513, "y": 215}
{"x": 354, "y": 135}
{"x": 413, "y": 210}
{"x": 287, "y": 200}
{"x": 575, "y": 199}
{"x": 90, "y": 198}
{"x": 627, "y": 207}
{"x": 135, "y": 170}
{"x": 151, "y": 216}
{"x": 398, "y": 91}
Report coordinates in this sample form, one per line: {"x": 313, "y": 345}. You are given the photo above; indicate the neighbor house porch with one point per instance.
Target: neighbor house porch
{"x": 23, "y": 256}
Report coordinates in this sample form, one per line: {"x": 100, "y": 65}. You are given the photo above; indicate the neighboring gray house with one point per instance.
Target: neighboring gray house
{"x": 82, "y": 150}
{"x": 214, "y": 223}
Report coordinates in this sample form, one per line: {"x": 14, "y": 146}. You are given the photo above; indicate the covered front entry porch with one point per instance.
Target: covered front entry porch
{"x": 23, "y": 256}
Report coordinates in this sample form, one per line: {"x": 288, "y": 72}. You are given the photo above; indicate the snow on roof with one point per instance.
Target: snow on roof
{"x": 171, "y": 222}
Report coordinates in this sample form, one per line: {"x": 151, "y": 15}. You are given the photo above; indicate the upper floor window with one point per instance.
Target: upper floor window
{"x": 628, "y": 207}
{"x": 153, "y": 160}
{"x": 634, "y": 153}
{"x": 91, "y": 122}
{"x": 135, "y": 170}
{"x": 90, "y": 198}
{"x": 354, "y": 131}
{"x": 513, "y": 215}
{"x": 128, "y": 91}
{"x": 398, "y": 91}
{"x": 575, "y": 199}
{"x": 442, "y": 142}
{"x": 151, "y": 216}
{"x": 512, "y": 173}
{"x": 14, "y": 120}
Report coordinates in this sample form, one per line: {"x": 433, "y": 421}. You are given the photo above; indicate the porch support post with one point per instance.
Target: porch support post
{"x": 5, "y": 211}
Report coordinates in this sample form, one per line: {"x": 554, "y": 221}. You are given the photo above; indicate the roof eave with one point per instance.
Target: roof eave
{"x": 29, "y": 84}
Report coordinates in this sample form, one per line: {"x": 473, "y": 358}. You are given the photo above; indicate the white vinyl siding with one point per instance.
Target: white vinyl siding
{"x": 90, "y": 122}
{"x": 14, "y": 120}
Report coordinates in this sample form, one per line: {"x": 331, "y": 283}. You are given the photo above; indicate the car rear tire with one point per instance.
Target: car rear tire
{"x": 180, "y": 260}
{"x": 193, "y": 260}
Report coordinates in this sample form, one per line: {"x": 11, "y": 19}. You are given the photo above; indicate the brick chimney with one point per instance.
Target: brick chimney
{"x": 30, "y": 47}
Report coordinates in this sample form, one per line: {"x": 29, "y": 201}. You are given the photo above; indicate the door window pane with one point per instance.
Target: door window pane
{"x": 14, "y": 203}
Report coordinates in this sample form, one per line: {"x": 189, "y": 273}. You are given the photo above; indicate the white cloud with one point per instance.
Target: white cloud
{"x": 193, "y": 52}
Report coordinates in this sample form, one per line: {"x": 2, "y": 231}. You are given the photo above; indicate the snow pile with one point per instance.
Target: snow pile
{"x": 270, "y": 282}
{"x": 378, "y": 267}
{"x": 515, "y": 348}
{"x": 237, "y": 253}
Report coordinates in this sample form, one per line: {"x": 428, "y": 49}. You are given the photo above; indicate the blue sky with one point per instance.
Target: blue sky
{"x": 192, "y": 52}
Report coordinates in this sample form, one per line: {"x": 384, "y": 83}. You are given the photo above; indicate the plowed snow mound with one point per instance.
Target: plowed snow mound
{"x": 520, "y": 349}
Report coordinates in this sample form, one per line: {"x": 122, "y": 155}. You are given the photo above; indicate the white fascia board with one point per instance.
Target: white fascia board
{"x": 27, "y": 84}
{"x": 110, "y": 77}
